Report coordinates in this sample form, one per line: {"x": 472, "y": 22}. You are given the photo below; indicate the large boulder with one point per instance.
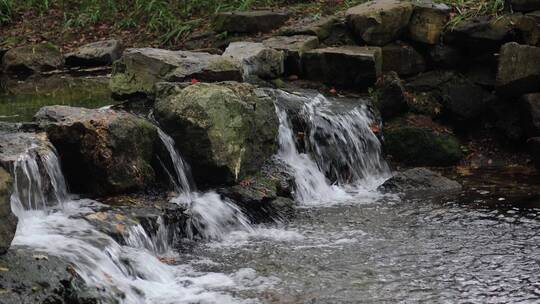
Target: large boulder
{"x": 346, "y": 66}
{"x": 428, "y": 21}
{"x": 419, "y": 141}
{"x": 140, "y": 69}
{"x": 379, "y": 22}
{"x": 525, "y": 5}
{"x": 519, "y": 69}
{"x": 256, "y": 59}
{"x": 8, "y": 222}
{"x": 26, "y": 60}
{"x": 293, "y": 48}
{"x": 402, "y": 59}
{"x": 249, "y": 22}
{"x": 102, "y": 151}
{"x": 226, "y": 131}
{"x": 95, "y": 54}
{"x": 419, "y": 180}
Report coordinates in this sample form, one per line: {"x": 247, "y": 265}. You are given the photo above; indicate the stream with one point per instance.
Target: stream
{"x": 347, "y": 243}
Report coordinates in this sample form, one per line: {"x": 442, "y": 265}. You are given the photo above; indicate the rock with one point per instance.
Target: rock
{"x": 428, "y": 21}
{"x": 417, "y": 180}
{"x": 445, "y": 56}
{"x": 95, "y": 54}
{"x": 102, "y": 151}
{"x": 265, "y": 196}
{"x": 256, "y": 59}
{"x": 293, "y": 48}
{"x": 506, "y": 119}
{"x": 531, "y": 113}
{"x": 379, "y": 22}
{"x": 225, "y": 131}
{"x": 320, "y": 27}
{"x": 23, "y": 61}
{"x": 139, "y": 69}
{"x": 346, "y": 66}
{"x": 534, "y": 150}
{"x": 8, "y": 221}
{"x": 420, "y": 141}
{"x": 519, "y": 69}
{"x": 33, "y": 277}
{"x": 403, "y": 59}
{"x": 249, "y": 22}
{"x": 390, "y": 96}
{"x": 525, "y": 5}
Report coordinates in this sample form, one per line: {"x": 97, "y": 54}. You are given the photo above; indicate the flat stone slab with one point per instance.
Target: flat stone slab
{"x": 293, "y": 48}
{"x": 250, "y": 21}
{"x": 256, "y": 59}
{"x": 519, "y": 69}
{"x": 346, "y": 66}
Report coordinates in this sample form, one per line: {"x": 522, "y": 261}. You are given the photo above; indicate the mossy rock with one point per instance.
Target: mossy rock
{"x": 226, "y": 131}
{"x": 417, "y": 145}
{"x": 23, "y": 61}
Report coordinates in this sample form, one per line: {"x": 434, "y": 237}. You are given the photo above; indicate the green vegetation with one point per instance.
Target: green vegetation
{"x": 466, "y": 9}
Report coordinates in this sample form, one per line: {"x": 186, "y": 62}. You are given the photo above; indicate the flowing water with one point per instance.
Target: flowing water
{"x": 347, "y": 244}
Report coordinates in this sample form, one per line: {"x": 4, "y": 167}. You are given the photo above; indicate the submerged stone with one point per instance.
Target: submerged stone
{"x": 95, "y": 54}
{"x": 8, "y": 221}
{"x": 140, "y": 69}
{"x": 419, "y": 180}
{"x": 519, "y": 69}
{"x": 102, "y": 151}
{"x": 226, "y": 131}
{"x": 23, "y": 61}
{"x": 381, "y": 21}
{"x": 346, "y": 66}
{"x": 249, "y": 21}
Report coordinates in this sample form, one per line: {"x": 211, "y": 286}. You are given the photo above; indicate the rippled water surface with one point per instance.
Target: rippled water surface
{"x": 407, "y": 252}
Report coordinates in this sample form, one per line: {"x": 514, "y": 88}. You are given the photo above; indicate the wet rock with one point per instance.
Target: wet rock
{"x": 428, "y": 21}
{"x": 381, "y": 21}
{"x": 256, "y": 59}
{"x": 445, "y": 56}
{"x": 390, "y": 96}
{"x": 139, "y": 69}
{"x": 293, "y": 48}
{"x": 525, "y": 5}
{"x": 534, "y": 150}
{"x": 265, "y": 196}
{"x": 29, "y": 276}
{"x": 102, "y": 151}
{"x": 419, "y": 180}
{"x": 249, "y": 22}
{"x": 226, "y": 131}
{"x": 531, "y": 113}
{"x": 8, "y": 221}
{"x": 95, "y": 54}
{"x": 346, "y": 66}
{"x": 21, "y": 62}
{"x": 403, "y": 59}
{"x": 418, "y": 140}
{"x": 320, "y": 27}
{"x": 519, "y": 69}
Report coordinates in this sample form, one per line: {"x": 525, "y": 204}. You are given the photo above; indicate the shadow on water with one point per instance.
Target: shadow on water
{"x": 20, "y": 100}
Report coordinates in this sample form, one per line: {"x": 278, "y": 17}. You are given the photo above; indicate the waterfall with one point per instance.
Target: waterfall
{"x": 340, "y": 146}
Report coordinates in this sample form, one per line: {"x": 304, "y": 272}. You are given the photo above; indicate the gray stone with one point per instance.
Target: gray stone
{"x": 320, "y": 27}
{"x": 226, "y": 131}
{"x": 95, "y": 54}
{"x": 381, "y": 21}
{"x": 519, "y": 69}
{"x": 293, "y": 47}
{"x": 249, "y": 21}
{"x": 140, "y": 69}
{"x": 402, "y": 59}
{"x": 8, "y": 221}
{"x": 347, "y": 66}
{"x": 428, "y": 21}
{"x": 23, "y": 61}
{"x": 102, "y": 151}
{"x": 419, "y": 180}
{"x": 256, "y": 59}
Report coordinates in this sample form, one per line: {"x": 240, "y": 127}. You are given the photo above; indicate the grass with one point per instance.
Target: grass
{"x": 467, "y": 9}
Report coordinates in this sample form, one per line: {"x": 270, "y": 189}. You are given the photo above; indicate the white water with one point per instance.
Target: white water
{"x": 351, "y": 153}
